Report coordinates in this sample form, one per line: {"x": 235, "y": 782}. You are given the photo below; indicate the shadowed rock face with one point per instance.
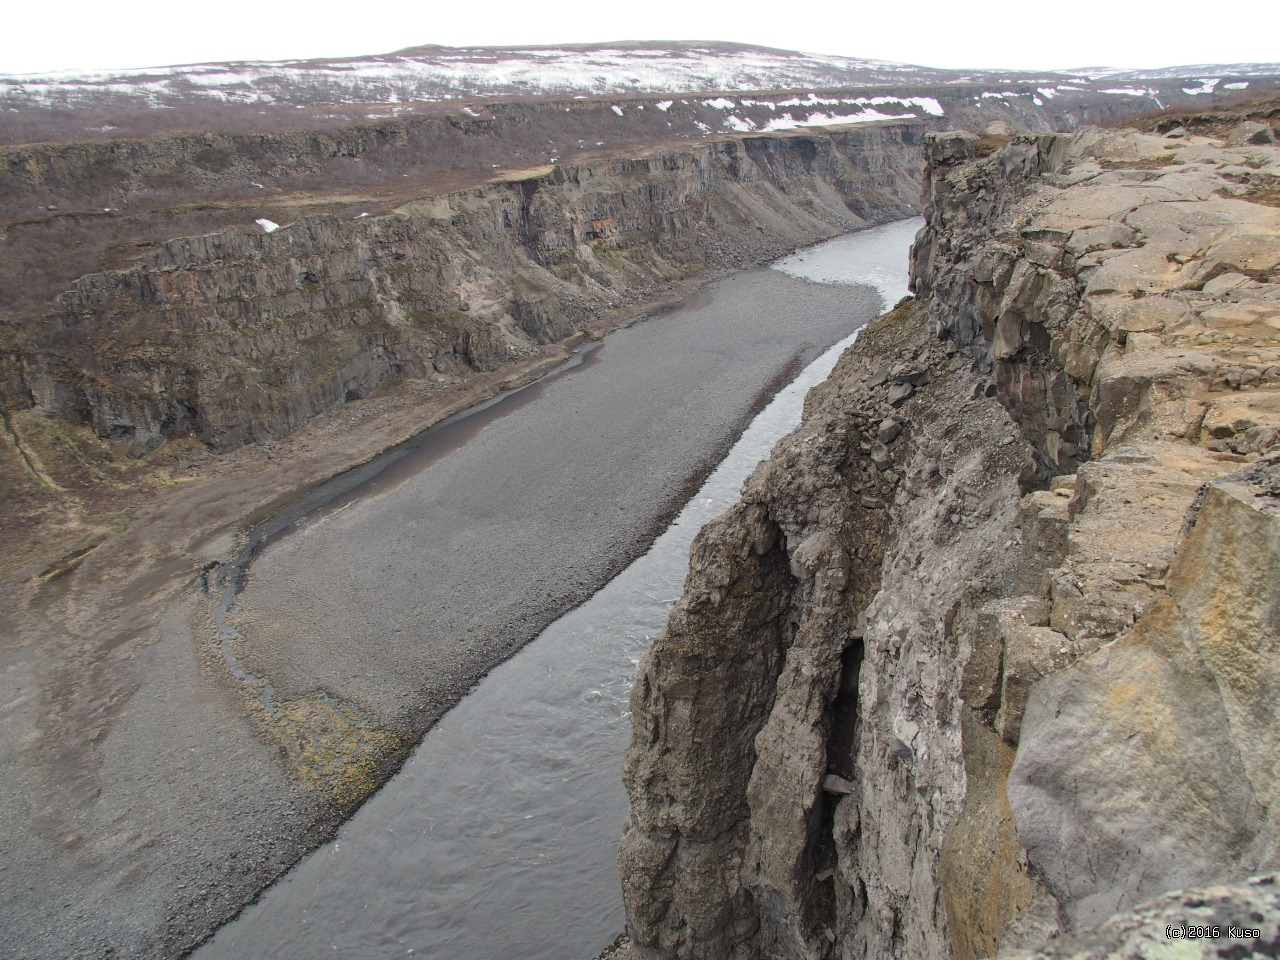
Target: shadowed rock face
{"x": 241, "y": 335}
{"x": 1028, "y": 678}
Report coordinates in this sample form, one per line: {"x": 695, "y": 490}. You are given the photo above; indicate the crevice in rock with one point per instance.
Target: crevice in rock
{"x": 844, "y": 713}
{"x": 39, "y": 475}
{"x": 1063, "y": 584}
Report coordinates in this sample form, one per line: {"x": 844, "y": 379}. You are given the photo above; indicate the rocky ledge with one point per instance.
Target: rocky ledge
{"x": 988, "y": 650}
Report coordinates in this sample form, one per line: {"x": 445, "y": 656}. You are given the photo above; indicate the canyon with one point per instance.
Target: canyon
{"x": 948, "y": 680}
{"x": 199, "y": 329}
{"x": 157, "y": 787}
{"x": 149, "y": 326}
{"x": 241, "y": 336}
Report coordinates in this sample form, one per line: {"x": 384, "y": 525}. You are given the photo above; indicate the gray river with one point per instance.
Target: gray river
{"x": 497, "y": 839}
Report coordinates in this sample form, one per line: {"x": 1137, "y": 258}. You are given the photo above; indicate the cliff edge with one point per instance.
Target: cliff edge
{"x": 241, "y": 336}
{"x": 988, "y": 649}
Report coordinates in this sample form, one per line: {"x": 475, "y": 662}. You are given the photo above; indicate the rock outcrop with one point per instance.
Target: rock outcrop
{"x": 988, "y": 649}
{"x": 241, "y": 335}
{"x": 1232, "y": 920}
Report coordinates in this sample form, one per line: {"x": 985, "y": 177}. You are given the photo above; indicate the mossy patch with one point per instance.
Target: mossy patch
{"x": 336, "y": 746}
{"x": 989, "y": 143}
{"x": 67, "y": 562}
{"x": 882, "y": 334}
{"x": 1268, "y": 196}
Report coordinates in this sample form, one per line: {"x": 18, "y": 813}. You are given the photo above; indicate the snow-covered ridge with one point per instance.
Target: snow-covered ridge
{"x": 1198, "y": 70}
{"x": 865, "y": 111}
{"x": 446, "y": 73}
{"x": 1115, "y": 74}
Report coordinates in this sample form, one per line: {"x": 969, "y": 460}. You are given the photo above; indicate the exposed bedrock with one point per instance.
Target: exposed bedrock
{"x": 240, "y": 336}
{"x": 1246, "y": 916}
{"x": 988, "y": 651}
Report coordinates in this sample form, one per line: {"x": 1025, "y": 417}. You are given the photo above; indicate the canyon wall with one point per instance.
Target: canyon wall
{"x": 100, "y": 204}
{"x": 300, "y": 150}
{"x": 387, "y": 269}
{"x": 242, "y": 335}
{"x": 988, "y": 649}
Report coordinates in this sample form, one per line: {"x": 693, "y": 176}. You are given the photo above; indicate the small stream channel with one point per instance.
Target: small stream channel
{"x": 498, "y": 837}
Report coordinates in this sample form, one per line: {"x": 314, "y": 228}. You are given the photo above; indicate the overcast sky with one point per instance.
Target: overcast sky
{"x": 84, "y": 34}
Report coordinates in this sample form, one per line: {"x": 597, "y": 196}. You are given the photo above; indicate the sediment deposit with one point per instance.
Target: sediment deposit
{"x": 988, "y": 649}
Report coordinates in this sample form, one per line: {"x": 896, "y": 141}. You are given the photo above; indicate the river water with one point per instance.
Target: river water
{"x": 498, "y": 837}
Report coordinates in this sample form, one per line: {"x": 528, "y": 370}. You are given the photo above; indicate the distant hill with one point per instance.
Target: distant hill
{"x": 434, "y": 73}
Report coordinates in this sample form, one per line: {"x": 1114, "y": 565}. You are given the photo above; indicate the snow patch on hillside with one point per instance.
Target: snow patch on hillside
{"x": 433, "y": 74}
{"x": 1206, "y": 86}
{"x": 788, "y": 122}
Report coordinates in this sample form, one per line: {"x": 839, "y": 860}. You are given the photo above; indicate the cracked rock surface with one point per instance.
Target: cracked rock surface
{"x": 988, "y": 650}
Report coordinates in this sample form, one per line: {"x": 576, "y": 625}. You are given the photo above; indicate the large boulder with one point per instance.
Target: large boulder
{"x": 1251, "y": 133}
{"x": 1151, "y": 764}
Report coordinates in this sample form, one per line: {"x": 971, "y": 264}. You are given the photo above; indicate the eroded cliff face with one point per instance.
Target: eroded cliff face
{"x": 240, "y": 336}
{"x": 988, "y": 649}
{"x": 132, "y": 180}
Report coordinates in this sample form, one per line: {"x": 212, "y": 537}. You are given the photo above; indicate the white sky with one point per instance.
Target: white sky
{"x": 1030, "y": 34}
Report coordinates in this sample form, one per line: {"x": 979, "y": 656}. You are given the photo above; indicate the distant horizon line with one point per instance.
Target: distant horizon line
{"x": 1093, "y": 71}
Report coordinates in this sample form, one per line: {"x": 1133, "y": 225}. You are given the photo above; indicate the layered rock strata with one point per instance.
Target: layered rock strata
{"x": 123, "y": 186}
{"x": 241, "y": 336}
{"x": 167, "y": 315}
{"x": 988, "y": 649}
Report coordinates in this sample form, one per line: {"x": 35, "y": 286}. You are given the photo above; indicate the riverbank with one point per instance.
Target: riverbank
{"x": 161, "y": 802}
{"x": 500, "y": 833}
